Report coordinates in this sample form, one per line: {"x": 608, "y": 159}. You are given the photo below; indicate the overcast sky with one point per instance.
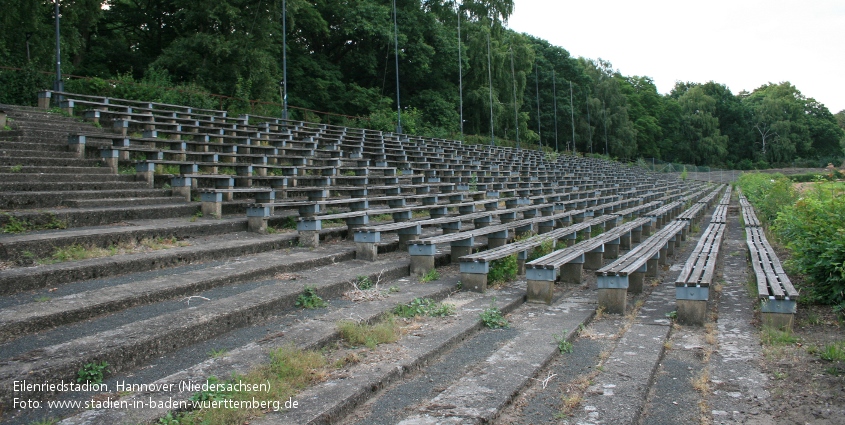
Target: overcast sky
{"x": 740, "y": 43}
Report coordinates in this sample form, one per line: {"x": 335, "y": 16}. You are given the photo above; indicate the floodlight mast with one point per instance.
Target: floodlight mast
{"x": 58, "y": 85}
{"x": 396, "y": 54}
{"x": 284, "y": 63}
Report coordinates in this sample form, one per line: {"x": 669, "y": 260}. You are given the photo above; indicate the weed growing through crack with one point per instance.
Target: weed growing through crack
{"x": 563, "y": 345}
{"x": 363, "y": 282}
{"x": 16, "y": 168}
{"x": 92, "y": 372}
{"x": 492, "y": 317}
{"x": 424, "y": 307}
{"x": 216, "y": 353}
{"x": 369, "y": 335}
{"x": 429, "y": 276}
{"x": 309, "y": 299}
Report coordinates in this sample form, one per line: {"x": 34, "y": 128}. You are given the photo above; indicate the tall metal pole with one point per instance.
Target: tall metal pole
{"x": 515, "y": 114}
{"x": 396, "y": 54}
{"x": 537, "y": 87}
{"x": 589, "y": 127}
{"x": 572, "y": 116}
{"x": 604, "y": 112}
{"x": 490, "y": 78}
{"x": 460, "y": 71}
{"x": 285, "y": 62}
{"x": 554, "y": 94}
{"x": 58, "y": 85}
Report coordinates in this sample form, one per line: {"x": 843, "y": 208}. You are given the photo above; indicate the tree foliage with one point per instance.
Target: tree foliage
{"x": 341, "y": 61}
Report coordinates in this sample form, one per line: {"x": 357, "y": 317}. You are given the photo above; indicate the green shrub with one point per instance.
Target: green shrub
{"x": 546, "y": 247}
{"x": 813, "y": 231}
{"x": 768, "y": 193}
{"x": 502, "y": 270}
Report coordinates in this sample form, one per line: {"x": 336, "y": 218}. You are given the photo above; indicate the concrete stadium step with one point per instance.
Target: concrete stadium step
{"x": 49, "y": 162}
{"x": 51, "y": 277}
{"x": 12, "y": 145}
{"x": 21, "y": 317}
{"x": 123, "y": 202}
{"x": 48, "y": 199}
{"x": 29, "y": 169}
{"x": 31, "y": 153}
{"x": 101, "y": 213}
{"x": 131, "y": 345}
{"x": 43, "y": 244}
{"x": 306, "y": 329}
{"x": 71, "y": 186}
{"x": 63, "y": 177}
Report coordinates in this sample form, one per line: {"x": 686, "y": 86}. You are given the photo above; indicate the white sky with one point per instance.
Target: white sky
{"x": 740, "y": 43}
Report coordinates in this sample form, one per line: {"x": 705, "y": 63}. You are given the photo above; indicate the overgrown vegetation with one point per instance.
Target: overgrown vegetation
{"x": 369, "y": 335}
{"x": 78, "y": 252}
{"x": 424, "y": 307}
{"x": 16, "y": 225}
{"x": 809, "y": 225}
{"x": 502, "y": 270}
{"x": 545, "y": 248}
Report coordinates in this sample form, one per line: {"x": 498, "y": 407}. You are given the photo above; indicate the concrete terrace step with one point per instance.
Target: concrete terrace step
{"x": 63, "y": 177}
{"x": 29, "y": 153}
{"x": 24, "y": 318}
{"x": 48, "y": 199}
{"x": 42, "y": 244}
{"x": 28, "y": 169}
{"x": 112, "y": 214}
{"x": 70, "y": 186}
{"x": 134, "y": 344}
{"x": 24, "y": 145}
{"x": 124, "y": 202}
{"x": 20, "y": 280}
{"x": 311, "y": 333}
{"x": 50, "y": 162}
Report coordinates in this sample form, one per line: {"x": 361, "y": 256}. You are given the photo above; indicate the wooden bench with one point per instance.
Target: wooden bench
{"x": 778, "y": 298}
{"x": 422, "y": 251}
{"x": 749, "y": 217}
{"x": 628, "y": 272}
{"x": 692, "y": 286}
{"x": 567, "y": 264}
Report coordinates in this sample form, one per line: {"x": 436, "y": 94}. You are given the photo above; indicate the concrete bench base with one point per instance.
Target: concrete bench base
{"x": 476, "y": 282}
{"x": 613, "y": 300}
{"x": 366, "y": 251}
{"x": 691, "y": 312}
{"x": 540, "y": 291}
{"x": 309, "y": 238}
{"x": 421, "y": 264}
{"x": 570, "y": 273}
{"x": 781, "y": 321}
{"x": 635, "y": 282}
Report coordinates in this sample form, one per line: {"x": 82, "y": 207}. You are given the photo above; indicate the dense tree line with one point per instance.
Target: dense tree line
{"x": 341, "y": 60}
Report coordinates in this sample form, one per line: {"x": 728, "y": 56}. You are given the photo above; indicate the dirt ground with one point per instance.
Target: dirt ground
{"x": 804, "y": 388}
